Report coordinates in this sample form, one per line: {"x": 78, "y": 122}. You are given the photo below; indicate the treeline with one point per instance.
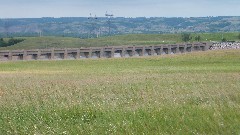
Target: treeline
{"x": 10, "y": 42}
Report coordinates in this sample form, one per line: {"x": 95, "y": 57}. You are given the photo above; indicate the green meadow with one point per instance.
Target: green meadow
{"x": 194, "y": 93}
{"x": 132, "y": 39}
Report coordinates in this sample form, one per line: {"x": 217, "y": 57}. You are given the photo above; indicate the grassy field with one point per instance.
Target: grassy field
{"x": 195, "y": 93}
{"x": 135, "y": 39}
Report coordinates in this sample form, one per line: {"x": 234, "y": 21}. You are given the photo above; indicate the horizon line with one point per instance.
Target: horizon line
{"x": 119, "y": 17}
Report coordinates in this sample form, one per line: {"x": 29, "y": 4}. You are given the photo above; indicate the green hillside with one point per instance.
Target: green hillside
{"x": 195, "y": 93}
{"x": 135, "y": 39}
{"x": 85, "y": 27}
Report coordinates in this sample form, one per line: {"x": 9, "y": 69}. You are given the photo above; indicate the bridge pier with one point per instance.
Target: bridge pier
{"x": 123, "y": 51}
{"x": 65, "y": 53}
{"x": 24, "y": 55}
{"x": 90, "y": 53}
{"x": 177, "y": 49}
{"x": 192, "y": 47}
{"x": 143, "y": 51}
{"x": 112, "y": 52}
{"x": 78, "y": 54}
{"x": 152, "y": 51}
{"x": 169, "y": 49}
{"x": 185, "y": 48}
{"x": 52, "y": 54}
{"x": 206, "y": 46}
{"x": 10, "y": 55}
{"x": 161, "y": 50}
{"x": 101, "y": 53}
{"x": 38, "y": 54}
{"x": 133, "y": 51}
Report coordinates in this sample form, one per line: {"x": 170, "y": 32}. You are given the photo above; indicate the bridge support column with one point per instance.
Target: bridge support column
{"x": 177, "y": 49}
{"x": 10, "y": 55}
{"x": 192, "y": 48}
{"x": 90, "y": 53}
{"x": 52, "y": 53}
{"x": 152, "y": 50}
{"x": 143, "y": 51}
{"x": 38, "y": 54}
{"x": 112, "y": 52}
{"x": 102, "y": 53}
{"x": 169, "y": 49}
{"x": 133, "y": 51}
{"x": 185, "y": 48}
{"x": 207, "y": 46}
{"x": 161, "y": 50}
{"x": 24, "y": 55}
{"x": 123, "y": 51}
{"x": 65, "y": 53}
{"x": 78, "y": 54}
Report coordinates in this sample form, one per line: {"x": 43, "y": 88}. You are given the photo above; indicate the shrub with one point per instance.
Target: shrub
{"x": 224, "y": 40}
{"x": 186, "y": 37}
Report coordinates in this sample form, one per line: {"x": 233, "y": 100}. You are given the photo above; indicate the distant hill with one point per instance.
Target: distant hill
{"x": 84, "y": 27}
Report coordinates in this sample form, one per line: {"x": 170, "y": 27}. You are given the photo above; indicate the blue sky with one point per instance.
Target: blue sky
{"x": 120, "y": 8}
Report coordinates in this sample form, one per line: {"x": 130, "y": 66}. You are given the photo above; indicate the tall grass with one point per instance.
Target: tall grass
{"x": 195, "y": 93}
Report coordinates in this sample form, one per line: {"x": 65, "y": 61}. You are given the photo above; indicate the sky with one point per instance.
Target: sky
{"x": 120, "y": 8}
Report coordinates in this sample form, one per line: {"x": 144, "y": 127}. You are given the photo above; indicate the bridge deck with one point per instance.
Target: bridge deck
{"x": 100, "y": 52}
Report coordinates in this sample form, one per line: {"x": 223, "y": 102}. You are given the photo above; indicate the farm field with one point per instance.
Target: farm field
{"x": 120, "y": 40}
{"x": 194, "y": 93}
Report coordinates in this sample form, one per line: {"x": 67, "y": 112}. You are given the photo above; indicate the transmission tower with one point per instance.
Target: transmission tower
{"x": 109, "y": 19}
{"x": 92, "y": 25}
{"x": 6, "y": 27}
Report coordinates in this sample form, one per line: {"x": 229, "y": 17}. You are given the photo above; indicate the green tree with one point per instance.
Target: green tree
{"x": 186, "y": 37}
{"x": 11, "y": 41}
{"x": 198, "y": 38}
{"x": 2, "y": 42}
{"x": 239, "y": 36}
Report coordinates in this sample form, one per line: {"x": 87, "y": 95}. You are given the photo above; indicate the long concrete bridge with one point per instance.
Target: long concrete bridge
{"x": 100, "y": 52}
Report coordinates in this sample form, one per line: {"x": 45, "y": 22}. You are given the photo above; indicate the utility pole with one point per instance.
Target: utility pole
{"x": 99, "y": 32}
{"x": 40, "y": 33}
